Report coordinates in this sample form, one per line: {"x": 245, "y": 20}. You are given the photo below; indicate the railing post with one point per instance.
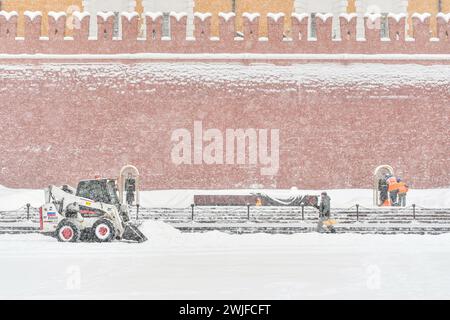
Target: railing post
{"x": 28, "y": 211}
{"x": 303, "y": 211}
{"x": 137, "y": 212}
{"x": 414, "y": 211}
{"x": 192, "y": 212}
{"x": 357, "y": 212}
{"x": 248, "y": 212}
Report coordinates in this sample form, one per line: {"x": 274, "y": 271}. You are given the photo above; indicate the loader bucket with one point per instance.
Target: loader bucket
{"x": 132, "y": 233}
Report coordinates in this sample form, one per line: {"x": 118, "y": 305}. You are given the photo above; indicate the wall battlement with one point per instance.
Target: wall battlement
{"x": 298, "y": 41}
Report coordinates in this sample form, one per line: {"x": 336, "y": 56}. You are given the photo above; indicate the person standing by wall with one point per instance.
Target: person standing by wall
{"x": 130, "y": 187}
{"x": 402, "y": 191}
{"x": 383, "y": 189}
{"x": 392, "y": 189}
{"x": 324, "y": 213}
{"x": 324, "y": 207}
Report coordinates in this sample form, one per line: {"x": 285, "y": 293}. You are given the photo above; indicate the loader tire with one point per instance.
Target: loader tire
{"x": 103, "y": 231}
{"x": 68, "y": 231}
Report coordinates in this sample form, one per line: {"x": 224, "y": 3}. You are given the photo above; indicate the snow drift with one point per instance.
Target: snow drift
{"x": 12, "y": 199}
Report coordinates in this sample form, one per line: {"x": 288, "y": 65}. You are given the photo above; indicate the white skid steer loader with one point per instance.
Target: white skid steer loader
{"x": 92, "y": 212}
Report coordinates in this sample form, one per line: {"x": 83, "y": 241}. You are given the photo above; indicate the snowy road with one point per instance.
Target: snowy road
{"x": 172, "y": 265}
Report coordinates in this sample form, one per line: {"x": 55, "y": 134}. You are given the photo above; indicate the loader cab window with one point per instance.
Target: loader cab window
{"x": 98, "y": 191}
{"x": 112, "y": 192}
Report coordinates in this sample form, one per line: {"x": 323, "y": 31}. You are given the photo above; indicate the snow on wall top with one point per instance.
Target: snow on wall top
{"x": 373, "y": 16}
{"x": 217, "y": 75}
{"x": 105, "y": 15}
{"x": 275, "y": 16}
{"x": 202, "y": 16}
{"x": 8, "y": 15}
{"x": 57, "y": 15}
{"x": 397, "y": 16}
{"x": 324, "y": 17}
{"x": 445, "y": 17}
{"x": 129, "y": 15}
{"x": 81, "y": 15}
{"x": 154, "y": 15}
{"x": 178, "y": 15}
{"x": 300, "y": 16}
{"x": 251, "y": 16}
{"x": 227, "y": 15}
{"x": 348, "y": 16}
{"x": 32, "y": 14}
{"x": 279, "y": 40}
{"x": 421, "y": 16}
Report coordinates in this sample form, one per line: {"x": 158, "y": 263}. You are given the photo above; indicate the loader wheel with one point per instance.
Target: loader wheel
{"x": 67, "y": 232}
{"x": 103, "y": 231}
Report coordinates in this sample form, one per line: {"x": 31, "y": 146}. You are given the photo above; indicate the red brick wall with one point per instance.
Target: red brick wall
{"x": 63, "y": 122}
{"x": 68, "y": 117}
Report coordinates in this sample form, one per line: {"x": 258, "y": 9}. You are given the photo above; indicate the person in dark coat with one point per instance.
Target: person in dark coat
{"x": 325, "y": 206}
{"x": 324, "y": 213}
{"x": 130, "y": 187}
{"x": 383, "y": 189}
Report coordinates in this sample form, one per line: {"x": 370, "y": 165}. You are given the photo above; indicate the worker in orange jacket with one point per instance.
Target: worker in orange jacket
{"x": 392, "y": 189}
{"x": 402, "y": 191}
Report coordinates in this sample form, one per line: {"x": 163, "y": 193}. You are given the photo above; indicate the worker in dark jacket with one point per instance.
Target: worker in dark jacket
{"x": 324, "y": 207}
{"x": 324, "y": 213}
{"x": 383, "y": 189}
{"x": 130, "y": 188}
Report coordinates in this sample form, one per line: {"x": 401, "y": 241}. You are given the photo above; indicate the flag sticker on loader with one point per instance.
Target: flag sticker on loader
{"x": 51, "y": 214}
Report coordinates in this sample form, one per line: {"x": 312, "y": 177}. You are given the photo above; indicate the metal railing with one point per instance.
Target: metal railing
{"x": 356, "y": 213}
{"x": 250, "y": 213}
{"x": 248, "y": 218}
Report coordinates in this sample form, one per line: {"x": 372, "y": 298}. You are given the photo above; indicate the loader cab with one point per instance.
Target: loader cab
{"x": 99, "y": 190}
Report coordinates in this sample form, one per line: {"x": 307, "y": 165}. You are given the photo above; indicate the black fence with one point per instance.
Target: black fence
{"x": 251, "y": 213}
{"x": 278, "y": 220}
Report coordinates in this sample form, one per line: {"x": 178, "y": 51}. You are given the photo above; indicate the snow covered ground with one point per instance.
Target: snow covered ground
{"x": 12, "y": 199}
{"x": 174, "y": 265}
